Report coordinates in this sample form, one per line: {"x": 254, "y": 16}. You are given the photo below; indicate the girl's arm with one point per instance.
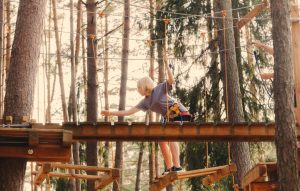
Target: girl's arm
{"x": 169, "y": 72}
{"x": 120, "y": 113}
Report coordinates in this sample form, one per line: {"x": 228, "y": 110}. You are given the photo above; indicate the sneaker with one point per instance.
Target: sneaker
{"x": 166, "y": 172}
{"x": 176, "y": 169}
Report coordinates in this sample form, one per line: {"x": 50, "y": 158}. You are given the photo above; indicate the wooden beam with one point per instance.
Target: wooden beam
{"x": 163, "y": 181}
{"x": 198, "y": 172}
{"x": 28, "y": 136}
{"x": 86, "y": 168}
{"x": 49, "y": 154}
{"x": 173, "y": 131}
{"x": 253, "y": 13}
{"x": 258, "y": 172}
{"x": 74, "y": 176}
{"x": 219, "y": 174}
{"x": 264, "y": 186}
{"x": 104, "y": 181}
{"x": 42, "y": 174}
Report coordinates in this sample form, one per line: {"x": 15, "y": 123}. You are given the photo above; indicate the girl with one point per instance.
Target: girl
{"x": 157, "y": 100}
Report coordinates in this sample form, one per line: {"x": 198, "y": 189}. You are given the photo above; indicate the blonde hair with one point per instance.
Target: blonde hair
{"x": 146, "y": 85}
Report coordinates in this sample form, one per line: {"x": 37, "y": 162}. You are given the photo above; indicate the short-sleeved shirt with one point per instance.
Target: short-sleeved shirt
{"x": 157, "y": 101}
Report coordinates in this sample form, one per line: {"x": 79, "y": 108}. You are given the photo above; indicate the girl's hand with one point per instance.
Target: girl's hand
{"x": 105, "y": 113}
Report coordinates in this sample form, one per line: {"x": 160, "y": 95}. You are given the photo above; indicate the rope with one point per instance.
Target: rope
{"x": 31, "y": 177}
{"x": 166, "y": 22}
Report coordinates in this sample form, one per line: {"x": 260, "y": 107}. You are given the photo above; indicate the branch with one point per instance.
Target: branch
{"x": 110, "y": 32}
{"x": 83, "y": 2}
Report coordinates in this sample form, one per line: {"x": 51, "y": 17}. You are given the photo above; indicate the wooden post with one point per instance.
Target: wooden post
{"x": 296, "y": 57}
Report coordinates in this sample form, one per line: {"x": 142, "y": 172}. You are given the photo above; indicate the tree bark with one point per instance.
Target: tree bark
{"x": 285, "y": 134}
{"x": 123, "y": 86}
{"x": 77, "y": 49}
{"x": 59, "y": 63}
{"x": 239, "y": 151}
{"x": 106, "y": 74}
{"x": 92, "y": 86}
{"x": 21, "y": 82}
{"x": 1, "y": 56}
{"x": 48, "y": 69}
{"x": 8, "y": 35}
{"x": 151, "y": 74}
{"x": 72, "y": 106}
{"x": 139, "y": 168}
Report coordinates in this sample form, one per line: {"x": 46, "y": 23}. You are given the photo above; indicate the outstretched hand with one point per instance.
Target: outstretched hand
{"x": 105, "y": 112}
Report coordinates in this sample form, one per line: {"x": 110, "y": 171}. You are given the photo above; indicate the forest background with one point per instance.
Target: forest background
{"x": 193, "y": 53}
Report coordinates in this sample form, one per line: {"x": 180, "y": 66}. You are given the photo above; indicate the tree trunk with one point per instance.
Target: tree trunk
{"x": 285, "y": 134}
{"x": 239, "y": 151}
{"x": 1, "y": 56}
{"x": 59, "y": 63}
{"x": 92, "y": 86}
{"x": 123, "y": 86}
{"x": 77, "y": 48}
{"x": 251, "y": 65}
{"x": 48, "y": 70}
{"x": 238, "y": 51}
{"x": 151, "y": 74}
{"x": 21, "y": 82}
{"x": 72, "y": 107}
{"x": 106, "y": 100}
{"x": 8, "y": 36}
{"x": 139, "y": 168}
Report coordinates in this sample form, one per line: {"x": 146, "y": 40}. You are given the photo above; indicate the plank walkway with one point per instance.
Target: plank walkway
{"x": 212, "y": 174}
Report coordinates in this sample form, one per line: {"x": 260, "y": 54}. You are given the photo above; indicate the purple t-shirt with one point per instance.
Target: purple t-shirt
{"x": 157, "y": 101}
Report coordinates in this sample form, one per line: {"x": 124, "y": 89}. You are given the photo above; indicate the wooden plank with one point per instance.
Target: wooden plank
{"x": 253, "y": 13}
{"x": 258, "y": 172}
{"x": 74, "y": 176}
{"x": 33, "y": 139}
{"x": 67, "y": 139}
{"x": 163, "y": 181}
{"x": 264, "y": 186}
{"x": 173, "y": 131}
{"x": 86, "y": 168}
{"x": 296, "y": 58}
{"x": 198, "y": 172}
{"x": 166, "y": 180}
{"x": 42, "y": 174}
{"x": 56, "y": 154}
{"x": 26, "y": 136}
{"x": 219, "y": 174}
{"x": 103, "y": 181}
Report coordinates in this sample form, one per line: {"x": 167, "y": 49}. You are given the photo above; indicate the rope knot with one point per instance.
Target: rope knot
{"x": 92, "y": 36}
{"x": 223, "y": 13}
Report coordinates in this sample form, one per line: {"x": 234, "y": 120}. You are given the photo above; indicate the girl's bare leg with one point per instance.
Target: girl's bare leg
{"x": 164, "y": 147}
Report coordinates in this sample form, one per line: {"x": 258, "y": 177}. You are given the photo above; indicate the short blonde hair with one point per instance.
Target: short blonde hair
{"x": 146, "y": 85}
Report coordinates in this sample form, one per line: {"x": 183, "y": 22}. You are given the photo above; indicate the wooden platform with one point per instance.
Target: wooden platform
{"x": 104, "y": 177}
{"x": 263, "y": 176}
{"x": 36, "y": 144}
{"x": 213, "y": 174}
{"x": 217, "y": 132}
